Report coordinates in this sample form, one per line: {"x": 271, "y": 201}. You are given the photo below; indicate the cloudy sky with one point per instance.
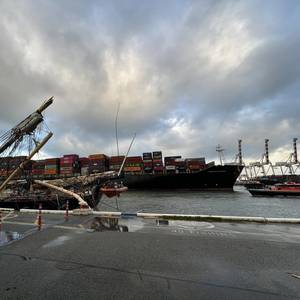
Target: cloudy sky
{"x": 188, "y": 74}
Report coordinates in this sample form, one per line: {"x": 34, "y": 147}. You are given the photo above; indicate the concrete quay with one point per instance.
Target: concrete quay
{"x": 126, "y": 257}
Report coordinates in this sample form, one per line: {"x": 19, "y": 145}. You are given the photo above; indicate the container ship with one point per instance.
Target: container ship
{"x": 149, "y": 171}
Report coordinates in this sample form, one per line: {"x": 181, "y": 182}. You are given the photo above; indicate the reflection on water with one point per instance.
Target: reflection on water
{"x": 107, "y": 224}
{"x": 9, "y": 236}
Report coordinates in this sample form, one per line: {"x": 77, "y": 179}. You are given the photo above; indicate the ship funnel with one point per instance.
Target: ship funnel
{"x": 295, "y": 150}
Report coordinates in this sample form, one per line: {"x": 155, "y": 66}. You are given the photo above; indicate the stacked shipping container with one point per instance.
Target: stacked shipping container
{"x": 72, "y": 165}
{"x": 180, "y": 165}
{"x": 148, "y": 162}
{"x": 115, "y": 163}
{"x": 98, "y": 163}
{"x": 9, "y": 164}
{"x": 158, "y": 166}
{"x": 52, "y": 167}
{"x": 195, "y": 164}
{"x": 69, "y": 165}
{"x": 133, "y": 164}
{"x": 84, "y": 165}
{"x": 14, "y": 162}
{"x": 4, "y": 166}
{"x": 38, "y": 168}
{"x": 170, "y": 163}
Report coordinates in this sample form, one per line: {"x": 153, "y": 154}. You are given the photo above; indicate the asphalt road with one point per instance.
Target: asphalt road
{"x": 88, "y": 258}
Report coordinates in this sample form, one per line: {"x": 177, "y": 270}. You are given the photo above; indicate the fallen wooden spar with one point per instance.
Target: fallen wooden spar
{"x": 62, "y": 190}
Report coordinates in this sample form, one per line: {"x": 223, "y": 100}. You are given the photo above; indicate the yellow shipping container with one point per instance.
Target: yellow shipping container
{"x": 132, "y": 169}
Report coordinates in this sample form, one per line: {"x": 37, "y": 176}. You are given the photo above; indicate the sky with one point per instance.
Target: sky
{"x": 188, "y": 75}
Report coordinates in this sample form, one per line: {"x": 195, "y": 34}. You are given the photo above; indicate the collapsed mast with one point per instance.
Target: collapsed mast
{"x": 12, "y": 139}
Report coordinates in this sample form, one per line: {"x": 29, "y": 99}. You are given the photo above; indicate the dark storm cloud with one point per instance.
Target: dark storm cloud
{"x": 188, "y": 74}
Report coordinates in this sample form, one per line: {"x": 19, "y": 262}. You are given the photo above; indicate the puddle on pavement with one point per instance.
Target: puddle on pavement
{"x": 8, "y": 237}
{"x": 107, "y": 224}
{"x": 58, "y": 241}
{"x": 138, "y": 224}
{"x": 162, "y": 222}
{"x": 191, "y": 225}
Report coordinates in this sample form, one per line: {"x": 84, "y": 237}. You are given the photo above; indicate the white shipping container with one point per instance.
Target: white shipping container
{"x": 170, "y": 167}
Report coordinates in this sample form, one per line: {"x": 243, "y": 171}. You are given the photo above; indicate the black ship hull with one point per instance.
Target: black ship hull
{"x": 215, "y": 178}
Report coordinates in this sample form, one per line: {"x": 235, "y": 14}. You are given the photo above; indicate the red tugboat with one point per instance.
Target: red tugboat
{"x": 113, "y": 188}
{"x": 280, "y": 189}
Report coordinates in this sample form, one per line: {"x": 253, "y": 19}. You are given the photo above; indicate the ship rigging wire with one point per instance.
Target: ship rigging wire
{"x": 116, "y": 128}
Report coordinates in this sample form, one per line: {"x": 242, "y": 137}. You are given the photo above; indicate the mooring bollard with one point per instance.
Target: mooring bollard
{"x": 39, "y": 217}
{"x": 67, "y": 211}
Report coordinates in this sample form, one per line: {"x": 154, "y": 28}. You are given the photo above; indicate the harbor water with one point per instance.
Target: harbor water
{"x": 237, "y": 203}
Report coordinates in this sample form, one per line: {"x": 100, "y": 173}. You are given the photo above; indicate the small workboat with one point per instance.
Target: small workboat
{"x": 280, "y": 189}
{"x": 112, "y": 189}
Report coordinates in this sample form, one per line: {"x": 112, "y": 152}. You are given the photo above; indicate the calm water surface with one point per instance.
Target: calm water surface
{"x": 237, "y": 203}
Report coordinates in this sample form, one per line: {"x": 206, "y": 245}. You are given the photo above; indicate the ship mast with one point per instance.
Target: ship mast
{"x": 13, "y": 137}
{"x": 220, "y": 151}
{"x": 116, "y": 129}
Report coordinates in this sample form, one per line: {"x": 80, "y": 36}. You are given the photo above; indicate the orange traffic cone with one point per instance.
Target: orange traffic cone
{"x": 38, "y": 220}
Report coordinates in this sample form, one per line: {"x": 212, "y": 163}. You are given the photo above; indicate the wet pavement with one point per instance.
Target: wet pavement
{"x": 90, "y": 257}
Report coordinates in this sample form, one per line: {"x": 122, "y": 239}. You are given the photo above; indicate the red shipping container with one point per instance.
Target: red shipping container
{"x": 134, "y": 159}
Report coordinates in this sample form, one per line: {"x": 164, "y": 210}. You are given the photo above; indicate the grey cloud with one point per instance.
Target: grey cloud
{"x": 200, "y": 63}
